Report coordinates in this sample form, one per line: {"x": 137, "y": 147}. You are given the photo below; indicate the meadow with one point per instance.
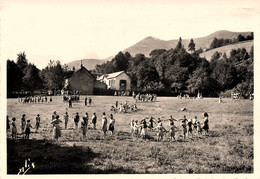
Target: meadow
{"x": 228, "y": 148}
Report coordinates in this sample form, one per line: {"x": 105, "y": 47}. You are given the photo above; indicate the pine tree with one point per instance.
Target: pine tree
{"x": 191, "y": 46}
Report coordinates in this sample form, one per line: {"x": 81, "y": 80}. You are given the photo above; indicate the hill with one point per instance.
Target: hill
{"x": 227, "y": 49}
{"x": 148, "y": 44}
{"x": 90, "y": 64}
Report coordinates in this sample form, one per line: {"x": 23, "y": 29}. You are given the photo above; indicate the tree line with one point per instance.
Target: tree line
{"x": 222, "y": 42}
{"x": 165, "y": 72}
{"x": 25, "y": 76}
{"x": 176, "y": 71}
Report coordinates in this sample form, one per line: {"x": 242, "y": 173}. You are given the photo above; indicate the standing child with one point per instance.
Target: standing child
{"x": 84, "y": 128}
{"x": 132, "y": 123}
{"x": 184, "y": 127}
{"x": 104, "y": 123}
{"x": 94, "y": 121}
{"x": 144, "y": 129}
{"x": 151, "y": 121}
{"x": 27, "y": 129}
{"x": 172, "y": 132}
{"x": 135, "y": 129}
{"x": 189, "y": 124}
{"x": 56, "y": 127}
{"x": 161, "y": 129}
{"x": 23, "y": 123}
{"x": 14, "y": 129}
{"x": 86, "y": 120}
{"x": 195, "y": 124}
{"x": 37, "y": 125}
{"x": 76, "y": 120}
{"x": 206, "y": 123}
{"x": 86, "y": 101}
{"x": 89, "y": 101}
{"x": 66, "y": 119}
{"x": 112, "y": 124}
{"x": 199, "y": 128}
{"x": 7, "y": 123}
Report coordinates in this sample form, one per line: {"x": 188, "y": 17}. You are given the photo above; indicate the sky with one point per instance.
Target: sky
{"x": 73, "y": 30}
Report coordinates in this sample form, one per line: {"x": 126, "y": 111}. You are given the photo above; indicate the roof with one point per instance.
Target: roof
{"x": 82, "y": 68}
{"x": 114, "y": 75}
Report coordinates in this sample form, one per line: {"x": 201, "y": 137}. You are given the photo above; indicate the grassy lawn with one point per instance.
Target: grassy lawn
{"x": 227, "y": 149}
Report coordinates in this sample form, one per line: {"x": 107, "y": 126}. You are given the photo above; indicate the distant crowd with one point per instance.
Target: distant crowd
{"x": 34, "y": 99}
{"x": 145, "y": 97}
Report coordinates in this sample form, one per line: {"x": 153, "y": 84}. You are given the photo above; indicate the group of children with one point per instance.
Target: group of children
{"x": 187, "y": 127}
{"x": 124, "y": 108}
{"x": 25, "y": 126}
{"x": 34, "y": 99}
{"x": 145, "y": 97}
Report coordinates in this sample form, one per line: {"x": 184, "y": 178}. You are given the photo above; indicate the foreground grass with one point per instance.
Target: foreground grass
{"x": 227, "y": 149}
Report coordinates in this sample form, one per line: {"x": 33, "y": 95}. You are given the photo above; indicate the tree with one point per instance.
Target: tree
{"x": 14, "y": 77}
{"x": 240, "y": 38}
{"x": 32, "y": 80}
{"x": 199, "y": 80}
{"x": 53, "y": 75}
{"x": 22, "y": 62}
{"x": 191, "y": 46}
{"x": 179, "y": 45}
{"x": 147, "y": 76}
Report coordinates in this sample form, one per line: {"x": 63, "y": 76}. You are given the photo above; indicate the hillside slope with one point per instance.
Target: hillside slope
{"x": 148, "y": 44}
{"x": 90, "y": 64}
{"x": 227, "y": 49}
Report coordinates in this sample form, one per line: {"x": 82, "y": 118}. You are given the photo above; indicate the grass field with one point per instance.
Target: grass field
{"x": 227, "y": 149}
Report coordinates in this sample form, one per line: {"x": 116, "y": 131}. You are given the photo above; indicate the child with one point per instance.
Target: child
{"x": 206, "y": 123}
{"x": 86, "y": 101}
{"x": 76, "y": 120}
{"x": 161, "y": 129}
{"x": 195, "y": 124}
{"x": 132, "y": 123}
{"x": 112, "y": 124}
{"x": 84, "y": 128}
{"x": 135, "y": 129}
{"x": 151, "y": 121}
{"x": 144, "y": 129}
{"x": 90, "y": 101}
{"x": 37, "y": 125}
{"x": 184, "y": 127}
{"x": 104, "y": 123}
{"x": 189, "y": 124}
{"x": 86, "y": 120}
{"x": 14, "y": 129}
{"x": 171, "y": 121}
{"x": 199, "y": 129}
{"x": 27, "y": 129}
{"x": 23, "y": 123}
{"x": 7, "y": 124}
{"x": 116, "y": 104}
{"x": 53, "y": 115}
{"x": 172, "y": 132}
{"x": 94, "y": 121}
{"x": 56, "y": 127}
{"x": 66, "y": 119}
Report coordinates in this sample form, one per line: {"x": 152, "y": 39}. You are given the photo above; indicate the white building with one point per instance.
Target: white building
{"x": 116, "y": 81}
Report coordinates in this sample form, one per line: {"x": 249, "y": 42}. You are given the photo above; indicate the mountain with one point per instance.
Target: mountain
{"x": 227, "y": 49}
{"x": 148, "y": 44}
{"x": 90, "y": 64}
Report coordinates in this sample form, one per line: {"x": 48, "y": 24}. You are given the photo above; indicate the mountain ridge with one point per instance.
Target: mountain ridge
{"x": 149, "y": 43}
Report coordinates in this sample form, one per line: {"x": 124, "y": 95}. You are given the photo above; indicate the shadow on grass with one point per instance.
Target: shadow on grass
{"x": 51, "y": 158}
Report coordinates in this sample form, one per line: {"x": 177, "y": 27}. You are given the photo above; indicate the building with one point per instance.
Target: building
{"x": 116, "y": 81}
{"x": 83, "y": 81}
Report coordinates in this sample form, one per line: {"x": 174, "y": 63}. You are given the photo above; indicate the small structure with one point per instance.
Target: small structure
{"x": 119, "y": 81}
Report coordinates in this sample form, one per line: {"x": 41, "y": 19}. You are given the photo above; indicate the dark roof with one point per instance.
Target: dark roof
{"x": 83, "y": 68}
